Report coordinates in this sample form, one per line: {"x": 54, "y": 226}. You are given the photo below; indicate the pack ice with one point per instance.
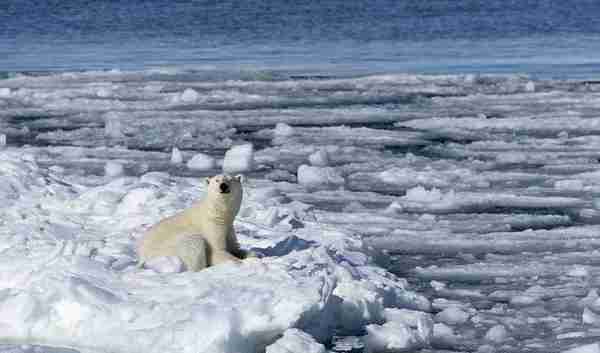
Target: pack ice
{"x": 392, "y": 213}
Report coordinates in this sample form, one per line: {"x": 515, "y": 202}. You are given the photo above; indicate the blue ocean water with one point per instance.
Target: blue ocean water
{"x": 548, "y": 38}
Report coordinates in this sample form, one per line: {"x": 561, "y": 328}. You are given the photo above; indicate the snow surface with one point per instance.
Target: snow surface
{"x": 390, "y": 213}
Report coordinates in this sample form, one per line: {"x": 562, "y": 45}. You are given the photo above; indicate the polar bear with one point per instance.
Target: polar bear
{"x": 203, "y": 234}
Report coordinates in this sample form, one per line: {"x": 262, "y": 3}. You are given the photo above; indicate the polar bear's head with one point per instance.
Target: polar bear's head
{"x": 225, "y": 193}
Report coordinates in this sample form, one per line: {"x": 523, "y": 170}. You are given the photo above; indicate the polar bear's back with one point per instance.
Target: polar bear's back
{"x": 161, "y": 239}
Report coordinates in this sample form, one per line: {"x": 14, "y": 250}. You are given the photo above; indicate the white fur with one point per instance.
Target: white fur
{"x": 201, "y": 235}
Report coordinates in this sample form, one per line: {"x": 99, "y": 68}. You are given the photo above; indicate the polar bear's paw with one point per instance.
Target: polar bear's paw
{"x": 247, "y": 255}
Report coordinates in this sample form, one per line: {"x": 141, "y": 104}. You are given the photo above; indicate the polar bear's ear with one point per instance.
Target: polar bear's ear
{"x": 239, "y": 178}
{"x": 207, "y": 180}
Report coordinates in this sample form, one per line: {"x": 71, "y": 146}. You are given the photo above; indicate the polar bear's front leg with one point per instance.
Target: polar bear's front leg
{"x": 191, "y": 249}
{"x": 234, "y": 247}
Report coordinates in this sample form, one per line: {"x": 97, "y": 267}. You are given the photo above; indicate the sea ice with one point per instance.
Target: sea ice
{"x": 492, "y": 183}
{"x": 201, "y": 161}
{"x": 319, "y": 177}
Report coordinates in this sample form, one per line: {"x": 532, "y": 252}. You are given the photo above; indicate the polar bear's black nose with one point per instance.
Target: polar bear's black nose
{"x": 224, "y": 188}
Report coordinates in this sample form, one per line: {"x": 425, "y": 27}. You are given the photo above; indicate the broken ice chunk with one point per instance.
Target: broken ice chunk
{"x": 392, "y": 336}
{"x": 112, "y": 125}
{"x": 317, "y": 177}
{"x": 296, "y": 341}
{"x": 201, "y": 161}
{"x": 283, "y": 129}
{"x": 176, "y": 156}
{"x": 319, "y": 158}
{"x": 189, "y": 96}
{"x": 497, "y": 334}
{"x": 452, "y": 316}
{"x": 113, "y": 169}
{"x": 239, "y": 159}
{"x": 418, "y": 320}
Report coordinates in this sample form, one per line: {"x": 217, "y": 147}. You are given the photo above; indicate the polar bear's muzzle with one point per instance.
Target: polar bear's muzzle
{"x": 224, "y": 188}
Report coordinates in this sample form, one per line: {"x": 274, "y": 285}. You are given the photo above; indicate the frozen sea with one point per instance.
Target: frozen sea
{"x": 421, "y": 176}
